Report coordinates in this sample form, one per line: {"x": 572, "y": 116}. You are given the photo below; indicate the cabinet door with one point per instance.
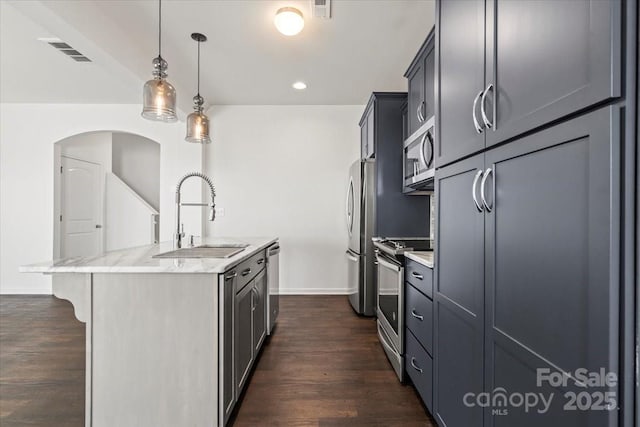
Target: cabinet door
{"x": 459, "y": 294}
{"x": 243, "y": 325}
{"x": 429, "y": 82}
{"x": 460, "y": 78}
{"x": 259, "y": 311}
{"x": 371, "y": 132}
{"x": 363, "y": 139}
{"x": 416, "y": 97}
{"x": 551, "y": 281}
{"x": 543, "y": 69}
{"x": 228, "y": 386}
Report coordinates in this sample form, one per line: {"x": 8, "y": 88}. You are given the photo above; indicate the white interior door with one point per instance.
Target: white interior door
{"x": 80, "y": 208}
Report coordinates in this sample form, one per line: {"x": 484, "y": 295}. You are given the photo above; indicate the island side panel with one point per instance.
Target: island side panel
{"x": 155, "y": 348}
{"x": 76, "y": 288}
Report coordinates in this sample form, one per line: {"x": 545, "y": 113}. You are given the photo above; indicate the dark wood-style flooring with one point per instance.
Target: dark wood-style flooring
{"x": 323, "y": 367}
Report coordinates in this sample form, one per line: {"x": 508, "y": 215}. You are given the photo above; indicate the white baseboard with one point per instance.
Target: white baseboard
{"x": 313, "y": 291}
{"x": 22, "y": 291}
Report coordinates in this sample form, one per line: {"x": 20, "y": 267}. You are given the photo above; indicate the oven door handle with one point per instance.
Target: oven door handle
{"x": 388, "y": 265}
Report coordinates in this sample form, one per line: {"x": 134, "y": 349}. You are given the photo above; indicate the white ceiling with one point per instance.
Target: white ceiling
{"x": 366, "y": 46}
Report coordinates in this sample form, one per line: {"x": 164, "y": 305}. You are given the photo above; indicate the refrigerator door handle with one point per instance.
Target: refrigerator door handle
{"x": 351, "y": 257}
{"x": 349, "y": 207}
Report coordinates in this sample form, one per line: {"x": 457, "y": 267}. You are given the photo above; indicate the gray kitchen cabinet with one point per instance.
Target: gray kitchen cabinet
{"x": 429, "y": 78}
{"x": 540, "y": 73}
{"x": 420, "y": 80}
{"x": 225, "y": 371}
{"x": 526, "y": 272}
{"x": 502, "y": 73}
{"x": 259, "y": 310}
{"x": 553, "y": 302}
{"x": 363, "y": 139}
{"x": 367, "y": 133}
{"x": 458, "y": 294}
{"x": 460, "y": 78}
{"x": 415, "y": 105}
{"x": 243, "y": 331}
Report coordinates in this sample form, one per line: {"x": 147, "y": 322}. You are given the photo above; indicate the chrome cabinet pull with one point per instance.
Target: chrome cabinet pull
{"x": 246, "y": 272}
{"x": 482, "y": 186}
{"x": 260, "y": 261}
{"x": 473, "y": 191}
{"x": 485, "y": 119}
{"x": 423, "y": 109}
{"x": 420, "y": 119}
{"x": 417, "y": 276}
{"x": 231, "y": 275}
{"x": 416, "y": 315}
{"x": 473, "y": 113}
{"x": 414, "y": 366}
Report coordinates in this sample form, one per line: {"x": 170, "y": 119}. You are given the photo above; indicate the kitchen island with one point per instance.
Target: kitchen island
{"x": 169, "y": 341}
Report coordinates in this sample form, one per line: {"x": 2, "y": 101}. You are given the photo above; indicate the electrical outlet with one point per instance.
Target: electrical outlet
{"x": 219, "y": 212}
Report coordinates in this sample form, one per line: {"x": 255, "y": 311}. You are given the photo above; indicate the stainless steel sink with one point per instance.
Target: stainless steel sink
{"x": 221, "y": 250}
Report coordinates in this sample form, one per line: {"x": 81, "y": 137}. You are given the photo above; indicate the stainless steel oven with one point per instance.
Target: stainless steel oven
{"x": 419, "y": 167}
{"x": 390, "y": 307}
{"x": 390, "y": 296}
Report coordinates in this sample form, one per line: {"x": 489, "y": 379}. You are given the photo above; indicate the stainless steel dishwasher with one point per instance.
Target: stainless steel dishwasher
{"x": 273, "y": 274}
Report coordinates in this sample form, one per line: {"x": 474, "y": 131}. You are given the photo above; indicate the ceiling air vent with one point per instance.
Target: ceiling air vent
{"x": 66, "y": 49}
{"x": 321, "y": 8}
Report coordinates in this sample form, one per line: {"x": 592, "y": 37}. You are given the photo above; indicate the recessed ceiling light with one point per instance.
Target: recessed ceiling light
{"x": 299, "y": 85}
{"x": 289, "y": 21}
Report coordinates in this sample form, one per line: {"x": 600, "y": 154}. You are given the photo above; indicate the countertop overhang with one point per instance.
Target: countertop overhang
{"x": 140, "y": 260}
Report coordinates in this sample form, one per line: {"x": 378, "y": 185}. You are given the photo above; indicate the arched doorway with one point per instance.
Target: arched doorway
{"x": 106, "y": 193}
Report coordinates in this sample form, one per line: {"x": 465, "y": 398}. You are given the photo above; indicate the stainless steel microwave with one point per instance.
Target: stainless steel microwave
{"x": 418, "y": 156}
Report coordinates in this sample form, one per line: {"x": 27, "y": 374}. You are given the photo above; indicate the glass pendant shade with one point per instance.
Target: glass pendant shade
{"x": 198, "y": 128}
{"x": 198, "y": 122}
{"x": 158, "y": 95}
{"x": 159, "y": 101}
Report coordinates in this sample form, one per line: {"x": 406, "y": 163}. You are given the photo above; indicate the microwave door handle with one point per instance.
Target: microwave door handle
{"x": 430, "y": 139}
{"x": 422, "y": 156}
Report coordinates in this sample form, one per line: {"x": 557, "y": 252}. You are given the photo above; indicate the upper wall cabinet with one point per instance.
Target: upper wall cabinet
{"x": 367, "y": 132}
{"x": 506, "y": 68}
{"x": 420, "y": 76}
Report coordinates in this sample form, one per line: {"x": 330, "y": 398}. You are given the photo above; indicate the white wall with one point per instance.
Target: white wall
{"x": 136, "y": 228}
{"x": 27, "y": 136}
{"x": 282, "y": 171}
{"x": 136, "y": 161}
{"x": 90, "y": 147}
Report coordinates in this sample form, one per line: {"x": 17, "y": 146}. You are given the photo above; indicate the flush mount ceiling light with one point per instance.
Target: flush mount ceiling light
{"x": 289, "y": 21}
{"x": 198, "y": 122}
{"x": 299, "y": 85}
{"x": 158, "y": 95}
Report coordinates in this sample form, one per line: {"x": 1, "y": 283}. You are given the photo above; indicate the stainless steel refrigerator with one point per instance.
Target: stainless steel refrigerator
{"x": 360, "y": 213}
{"x": 376, "y": 207}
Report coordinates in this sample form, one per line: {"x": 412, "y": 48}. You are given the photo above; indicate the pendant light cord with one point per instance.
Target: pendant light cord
{"x": 160, "y": 28}
{"x": 198, "y": 67}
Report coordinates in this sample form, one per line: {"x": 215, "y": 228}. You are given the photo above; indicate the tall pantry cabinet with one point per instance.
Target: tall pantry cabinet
{"x": 531, "y": 115}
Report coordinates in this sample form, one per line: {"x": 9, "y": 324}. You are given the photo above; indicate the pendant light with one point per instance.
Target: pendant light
{"x": 198, "y": 122}
{"x": 158, "y": 95}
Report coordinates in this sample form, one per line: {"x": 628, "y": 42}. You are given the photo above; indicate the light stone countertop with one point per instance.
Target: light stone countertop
{"x": 423, "y": 257}
{"x": 139, "y": 260}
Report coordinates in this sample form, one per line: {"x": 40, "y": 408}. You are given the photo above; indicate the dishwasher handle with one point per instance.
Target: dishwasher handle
{"x": 274, "y": 250}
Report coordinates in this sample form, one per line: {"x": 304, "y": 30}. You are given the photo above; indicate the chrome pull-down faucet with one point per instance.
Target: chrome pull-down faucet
{"x": 177, "y": 240}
